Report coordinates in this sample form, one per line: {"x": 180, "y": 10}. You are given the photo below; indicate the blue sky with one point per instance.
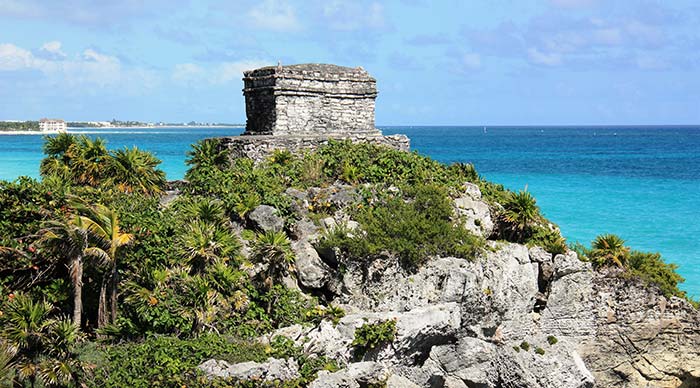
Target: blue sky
{"x": 451, "y": 62}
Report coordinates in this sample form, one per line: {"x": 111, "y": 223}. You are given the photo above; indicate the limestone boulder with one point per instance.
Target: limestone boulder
{"x": 265, "y": 218}
{"x": 474, "y": 211}
{"x": 311, "y": 271}
{"x": 304, "y": 229}
{"x": 472, "y": 362}
{"x": 363, "y": 374}
{"x": 271, "y": 370}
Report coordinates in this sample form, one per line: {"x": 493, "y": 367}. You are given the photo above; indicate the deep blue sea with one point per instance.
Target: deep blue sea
{"x": 642, "y": 183}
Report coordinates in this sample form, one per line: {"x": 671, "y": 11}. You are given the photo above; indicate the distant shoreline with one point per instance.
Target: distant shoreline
{"x": 159, "y": 127}
{"x": 71, "y": 129}
{"x": 29, "y": 132}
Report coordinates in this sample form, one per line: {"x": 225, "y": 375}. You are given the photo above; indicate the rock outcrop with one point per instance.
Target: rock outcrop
{"x": 467, "y": 323}
{"x": 513, "y": 317}
{"x": 271, "y": 370}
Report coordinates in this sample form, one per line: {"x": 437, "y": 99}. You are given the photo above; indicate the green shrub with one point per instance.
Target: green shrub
{"x": 169, "y": 361}
{"x": 525, "y": 346}
{"x": 550, "y": 240}
{"x": 609, "y": 249}
{"x": 309, "y": 365}
{"x": 552, "y": 340}
{"x": 373, "y": 335}
{"x": 539, "y": 351}
{"x": 651, "y": 268}
{"x": 413, "y": 224}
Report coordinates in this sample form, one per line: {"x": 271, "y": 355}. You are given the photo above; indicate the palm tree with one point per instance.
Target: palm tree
{"x": 40, "y": 346}
{"x": 60, "y": 150}
{"x": 103, "y": 224}
{"x": 521, "y": 212}
{"x": 609, "y": 249}
{"x": 274, "y": 250}
{"x": 208, "y": 210}
{"x": 71, "y": 240}
{"x": 25, "y": 326}
{"x": 206, "y": 153}
{"x": 59, "y": 146}
{"x": 55, "y": 167}
{"x": 89, "y": 165}
{"x": 132, "y": 170}
{"x": 61, "y": 367}
{"x": 204, "y": 243}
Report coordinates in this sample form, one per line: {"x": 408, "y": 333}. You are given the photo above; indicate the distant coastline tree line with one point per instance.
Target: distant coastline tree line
{"x": 19, "y": 126}
{"x": 26, "y": 126}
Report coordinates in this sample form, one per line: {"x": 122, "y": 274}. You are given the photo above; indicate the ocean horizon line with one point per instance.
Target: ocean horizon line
{"x": 529, "y": 126}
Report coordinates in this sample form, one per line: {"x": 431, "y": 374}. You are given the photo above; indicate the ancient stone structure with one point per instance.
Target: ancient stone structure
{"x": 309, "y": 99}
{"x": 299, "y": 107}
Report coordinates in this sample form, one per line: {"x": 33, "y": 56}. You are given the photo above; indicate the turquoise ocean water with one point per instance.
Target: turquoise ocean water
{"x": 642, "y": 183}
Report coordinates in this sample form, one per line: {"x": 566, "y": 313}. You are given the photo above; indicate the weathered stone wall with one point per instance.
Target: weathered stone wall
{"x": 309, "y": 99}
{"x": 259, "y": 147}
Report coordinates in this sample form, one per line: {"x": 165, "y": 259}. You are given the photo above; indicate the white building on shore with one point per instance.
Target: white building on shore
{"x": 52, "y": 125}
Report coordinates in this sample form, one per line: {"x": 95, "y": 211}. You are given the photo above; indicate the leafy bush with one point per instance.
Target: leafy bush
{"x": 651, "y": 268}
{"x": 610, "y": 250}
{"x": 373, "y": 335}
{"x": 549, "y": 239}
{"x": 309, "y": 365}
{"x": 525, "y": 346}
{"x": 412, "y": 226}
{"x": 169, "y": 361}
{"x": 552, "y": 340}
{"x": 539, "y": 351}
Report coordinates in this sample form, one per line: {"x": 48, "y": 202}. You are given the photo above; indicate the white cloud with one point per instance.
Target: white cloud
{"x": 15, "y": 58}
{"x": 89, "y": 70}
{"x": 54, "y": 48}
{"x": 275, "y": 15}
{"x": 540, "y": 58}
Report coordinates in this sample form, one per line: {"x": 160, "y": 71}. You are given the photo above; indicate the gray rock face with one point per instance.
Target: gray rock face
{"x": 265, "y": 218}
{"x": 362, "y": 374}
{"x": 474, "y": 323}
{"x": 271, "y": 370}
{"x": 641, "y": 338}
{"x": 475, "y": 212}
{"x": 312, "y": 272}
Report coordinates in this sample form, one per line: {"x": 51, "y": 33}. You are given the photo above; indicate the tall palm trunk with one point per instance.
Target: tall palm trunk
{"x": 102, "y": 304}
{"x": 76, "y": 273}
{"x": 114, "y": 281}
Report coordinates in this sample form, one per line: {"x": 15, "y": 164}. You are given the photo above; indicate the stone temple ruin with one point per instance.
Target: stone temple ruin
{"x": 300, "y": 107}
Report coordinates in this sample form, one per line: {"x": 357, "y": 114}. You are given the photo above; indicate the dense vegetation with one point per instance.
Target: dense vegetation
{"x": 104, "y": 282}
{"x": 609, "y": 250}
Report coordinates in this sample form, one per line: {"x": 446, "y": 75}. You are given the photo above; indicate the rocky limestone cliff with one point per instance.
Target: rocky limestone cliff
{"x": 513, "y": 317}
